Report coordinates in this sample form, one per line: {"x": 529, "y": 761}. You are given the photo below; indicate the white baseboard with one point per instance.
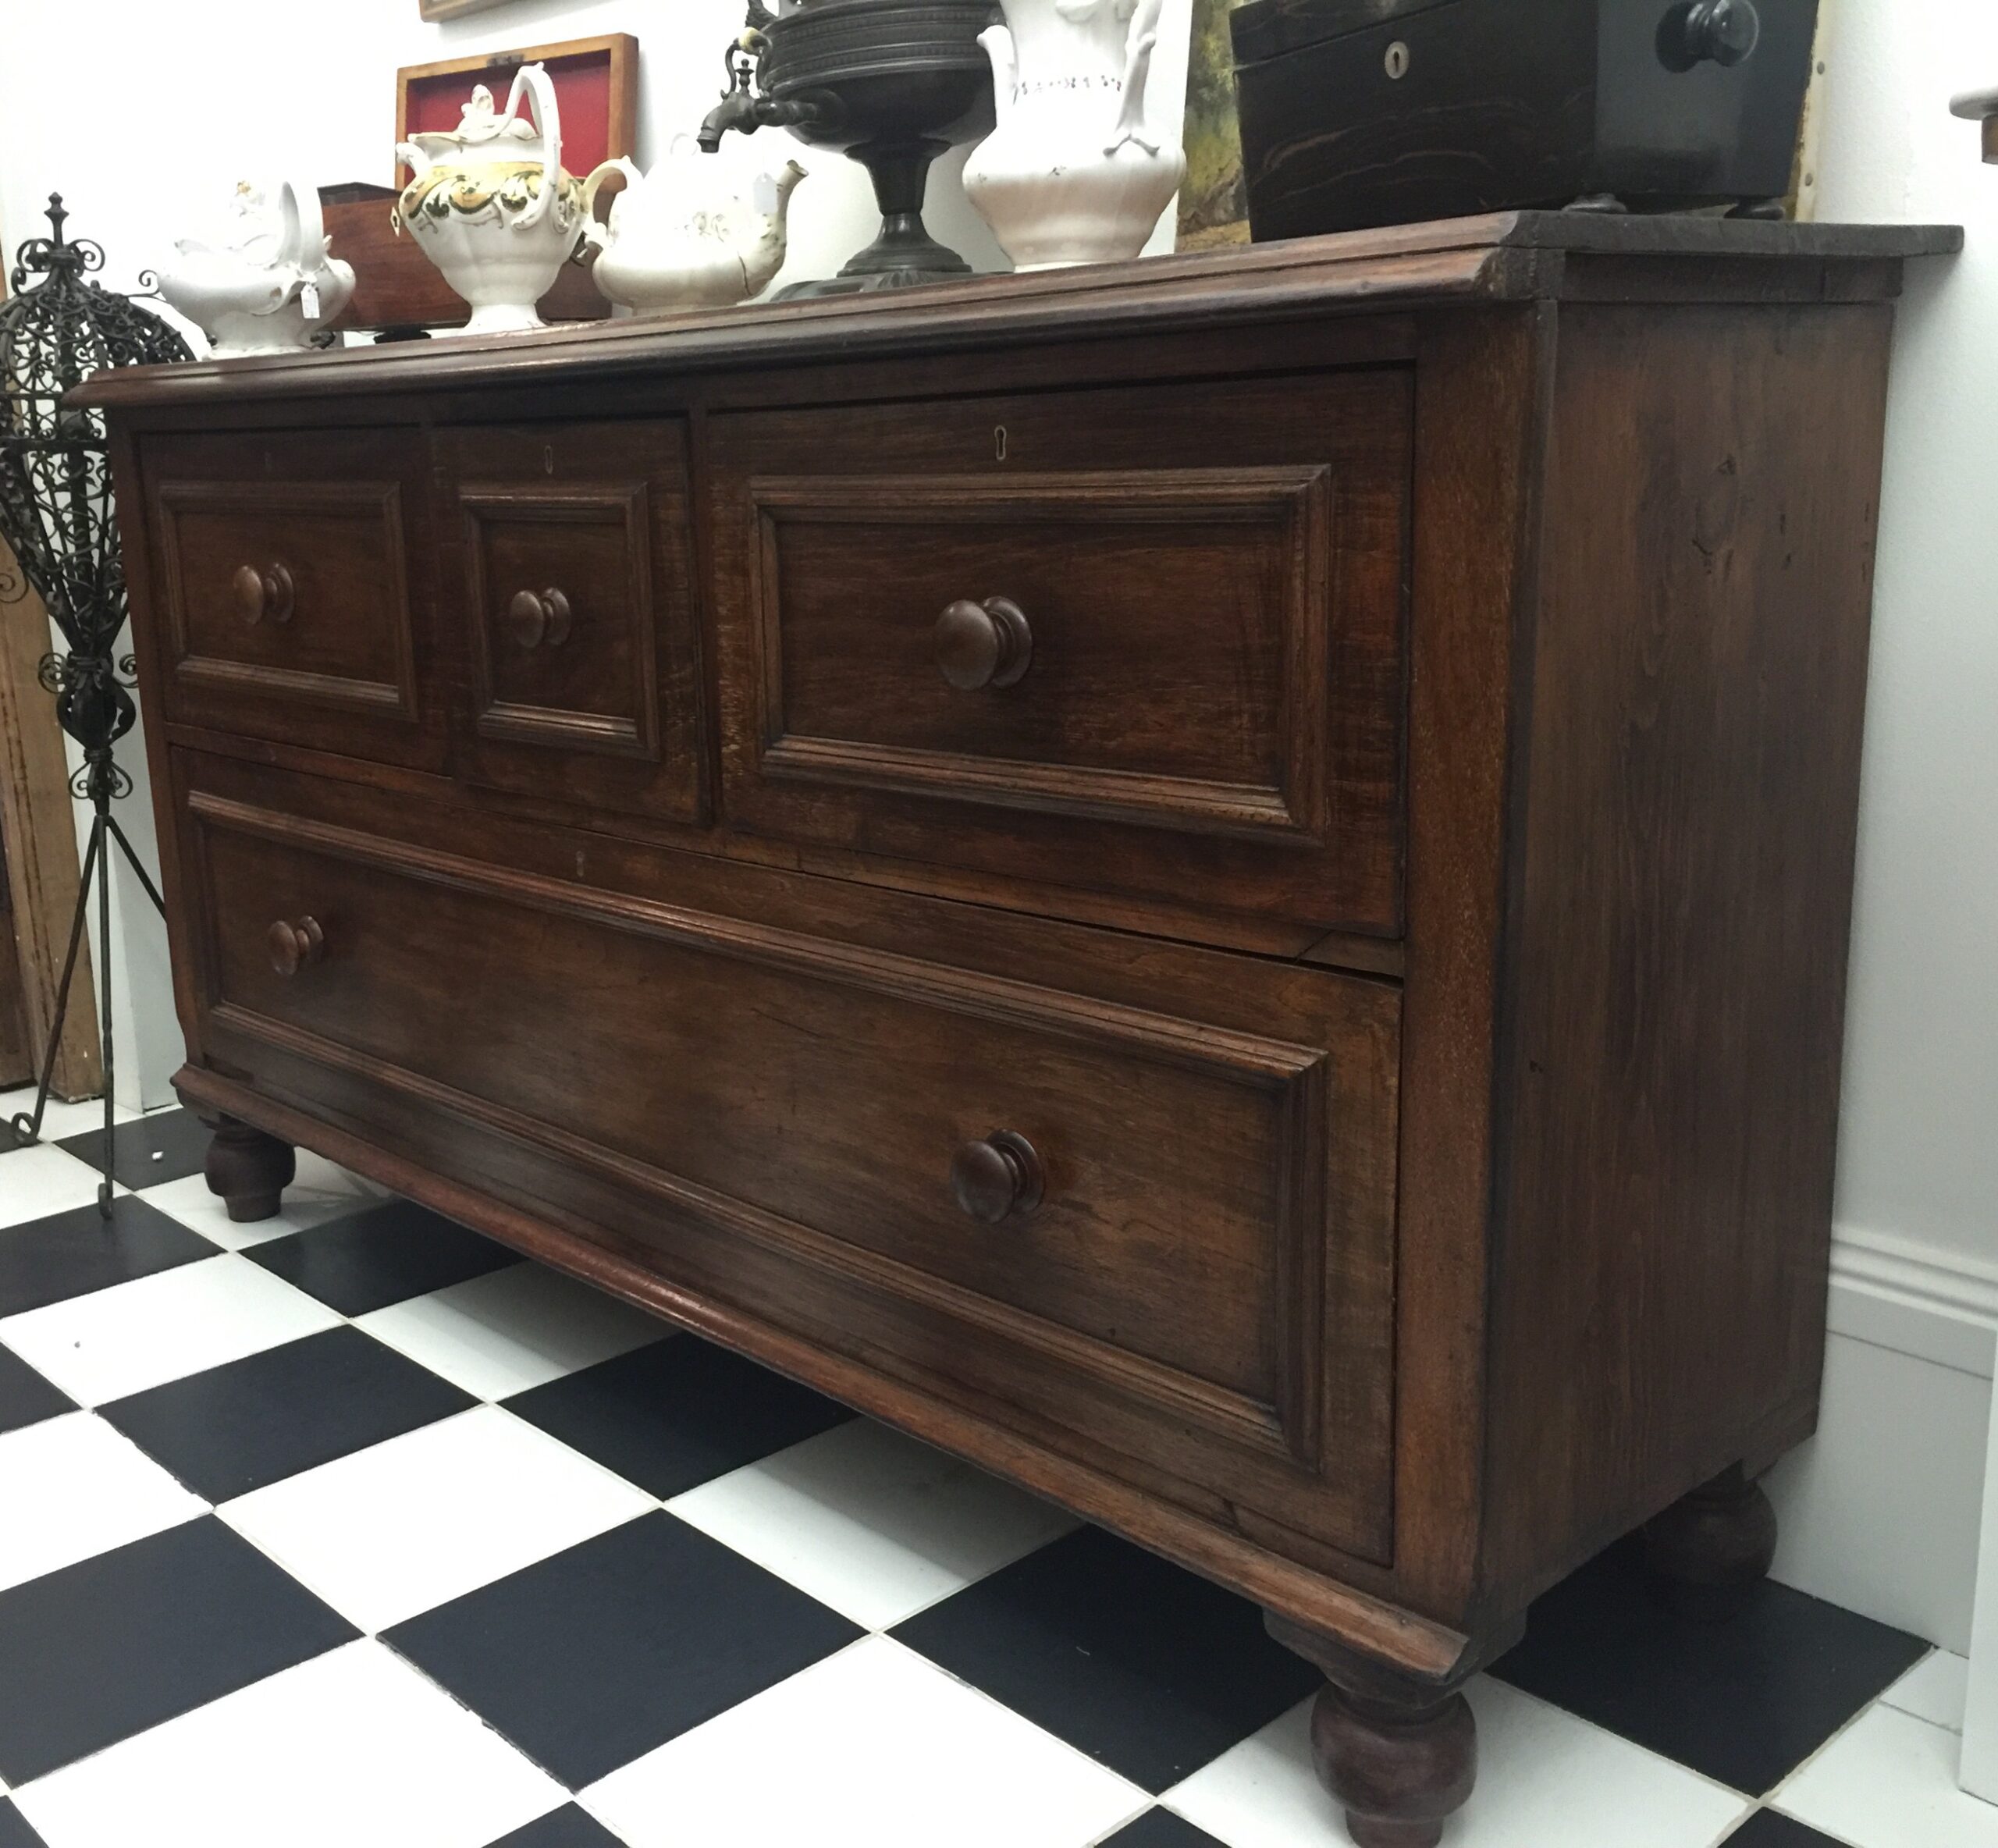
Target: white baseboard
{"x": 1881, "y": 1511}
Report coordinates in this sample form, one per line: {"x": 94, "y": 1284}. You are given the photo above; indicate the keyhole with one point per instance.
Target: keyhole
{"x": 1398, "y": 60}
{"x": 999, "y": 443}
{"x": 548, "y": 458}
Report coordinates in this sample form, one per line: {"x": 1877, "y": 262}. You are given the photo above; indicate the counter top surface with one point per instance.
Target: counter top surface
{"x": 1506, "y": 256}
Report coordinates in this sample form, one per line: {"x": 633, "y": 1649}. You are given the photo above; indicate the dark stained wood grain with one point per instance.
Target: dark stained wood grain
{"x": 593, "y": 695}
{"x": 1685, "y": 866}
{"x": 1509, "y": 256}
{"x": 1211, "y": 706}
{"x": 882, "y": 1064}
{"x": 1315, "y": 1045}
{"x": 291, "y": 569}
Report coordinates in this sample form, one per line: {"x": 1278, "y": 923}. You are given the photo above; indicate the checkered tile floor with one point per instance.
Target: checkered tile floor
{"x": 351, "y": 1528}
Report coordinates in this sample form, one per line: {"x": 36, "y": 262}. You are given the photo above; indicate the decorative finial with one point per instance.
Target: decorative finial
{"x": 57, "y": 216}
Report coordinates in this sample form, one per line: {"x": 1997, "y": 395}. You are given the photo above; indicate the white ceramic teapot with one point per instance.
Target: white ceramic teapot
{"x": 684, "y": 237}
{"x": 267, "y": 284}
{"x": 492, "y": 206}
{"x": 1073, "y": 173}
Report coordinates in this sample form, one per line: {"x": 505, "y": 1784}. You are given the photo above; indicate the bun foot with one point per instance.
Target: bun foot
{"x": 249, "y": 1169}
{"x": 1401, "y": 1768}
{"x": 1707, "y": 1553}
{"x": 1398, "y": 1755}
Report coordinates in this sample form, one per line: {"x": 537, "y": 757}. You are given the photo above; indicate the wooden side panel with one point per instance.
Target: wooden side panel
{"x": 1686, "y": 869}
{"x": 37, "y": 832}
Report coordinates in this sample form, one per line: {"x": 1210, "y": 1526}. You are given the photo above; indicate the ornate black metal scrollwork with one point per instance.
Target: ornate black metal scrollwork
{"x": 57, "y": 520}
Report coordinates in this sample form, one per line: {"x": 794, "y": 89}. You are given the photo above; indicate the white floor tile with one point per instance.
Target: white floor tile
{"x": 61, "y": 1119}
{"x": 509, "y": 1330}
{"x": 871, "y": 1522}
{"x": 321, "y": 1192}
{"x": 35, "y": 1182}
{"x": 413, "y": 1522}
{"x": 73, "y": 1487}
{"x": 877, "y": 1748}
{"x": 1934, "y": 1690}
{"x": 1545, "y": 1780}
{"x": 352, "y": 1747}
{"x": 111, "y": 1342}
{"x": 1889, "y": 1781}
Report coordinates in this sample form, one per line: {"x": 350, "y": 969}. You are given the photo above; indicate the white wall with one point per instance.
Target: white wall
{"x": 1882, "y": 1510}
{"x": 136, "y": 107}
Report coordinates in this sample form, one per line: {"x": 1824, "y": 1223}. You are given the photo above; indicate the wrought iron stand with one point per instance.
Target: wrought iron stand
{"x": 56, "y": 514}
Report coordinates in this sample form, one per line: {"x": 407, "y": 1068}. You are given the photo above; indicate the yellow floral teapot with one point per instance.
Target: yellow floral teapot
{"x": 491, "y": 204}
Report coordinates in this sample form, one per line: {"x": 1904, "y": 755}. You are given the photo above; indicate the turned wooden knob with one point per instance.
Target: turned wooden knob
{"x": 538, "y": 618}
{"x": 295, "y": 946}
{"x": 983, "y": 645}
{"x": 263, "y": 595}
{"x": 997, "y": 1179}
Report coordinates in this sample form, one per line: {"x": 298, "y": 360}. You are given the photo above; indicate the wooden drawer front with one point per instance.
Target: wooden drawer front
{"x": 576, "y": 602}
{"x": 1181, "y": 606}
{"x": 284, "y": 562}
{"x": 810, "y": 1096}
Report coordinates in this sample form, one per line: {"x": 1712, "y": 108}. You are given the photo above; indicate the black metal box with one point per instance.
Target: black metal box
{"x": 1357, "y": 113}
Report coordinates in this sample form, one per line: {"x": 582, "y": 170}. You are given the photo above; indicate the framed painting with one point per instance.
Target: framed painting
{"x": 453, "y": 9}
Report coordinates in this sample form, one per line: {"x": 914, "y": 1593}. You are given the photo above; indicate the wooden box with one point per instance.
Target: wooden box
{"x": 1359, "y": 113}
{"x": 395, "y": 285}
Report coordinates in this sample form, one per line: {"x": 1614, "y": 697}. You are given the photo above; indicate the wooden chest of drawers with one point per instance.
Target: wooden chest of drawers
{"x": 1222, "y": 884}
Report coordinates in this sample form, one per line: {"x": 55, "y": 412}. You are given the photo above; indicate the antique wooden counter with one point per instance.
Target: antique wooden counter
{"x": 1221, "y": 883}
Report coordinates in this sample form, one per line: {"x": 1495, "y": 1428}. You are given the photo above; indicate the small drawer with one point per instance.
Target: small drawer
{"x": 1139, "y": 639}
{"x": 1150, "y": 1196}
{"x": 292, "y": 611}
{"x": 568, "y": 575}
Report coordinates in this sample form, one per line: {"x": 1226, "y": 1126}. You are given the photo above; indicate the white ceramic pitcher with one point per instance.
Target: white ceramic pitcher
{"x": 1074, "y": 172}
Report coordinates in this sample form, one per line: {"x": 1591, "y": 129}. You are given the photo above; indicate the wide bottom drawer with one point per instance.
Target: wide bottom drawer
{"x": 1147, "y": 1194}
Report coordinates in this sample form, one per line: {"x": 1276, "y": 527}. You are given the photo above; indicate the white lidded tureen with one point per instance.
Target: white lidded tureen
{"x": 1074, "y": 172}
{"x": 686, "y": 236}
{"x": 265, "y": 282}
{"x": 492, "y": 206}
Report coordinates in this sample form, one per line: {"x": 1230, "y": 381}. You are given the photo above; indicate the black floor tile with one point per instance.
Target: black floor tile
{"x": 14, "y": 1830}
{"x": 72, "y": 1254}
{"x": 590, "y": 1659}
{"x": 167, "y": 1146}
{"x": 26, "y": 1397}
{"x": 1160, "y": 1828}
{"x": 108, "y": 1647}
{"x": 566, "y": 1827}
{"x": 382, "y": 1255}
{"x": 257, "y": 1421}
{"x": 1766, "y": 1829}
{"x": 1744, "y": 1702}
{"x": 677, "y": 1412}
{"x": 1148, "y": 1669}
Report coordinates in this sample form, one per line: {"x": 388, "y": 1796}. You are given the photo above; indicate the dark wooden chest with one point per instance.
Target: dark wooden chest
{"x": 1367, "y": 112}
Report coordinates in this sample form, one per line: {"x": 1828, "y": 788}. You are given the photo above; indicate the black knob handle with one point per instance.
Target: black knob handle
{"x": 983, "y": 645}
{"x": 1723, "y": 32}
{"x": 539, "y": 619}
{"x": 997, "y": 1179}
{"x": 262, "y": 594}
{"x": 293, "y": 946}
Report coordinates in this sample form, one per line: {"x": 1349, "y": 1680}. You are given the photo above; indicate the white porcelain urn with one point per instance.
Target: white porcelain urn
{"x": 686, "y": 235}
{"x": 266, "y": 283}
{"x": 1074, "y": 172}
{"x": 491, "y": 204}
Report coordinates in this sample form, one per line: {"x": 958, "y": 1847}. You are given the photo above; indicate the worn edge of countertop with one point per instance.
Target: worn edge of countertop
{"x": 1504, "y": 256}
